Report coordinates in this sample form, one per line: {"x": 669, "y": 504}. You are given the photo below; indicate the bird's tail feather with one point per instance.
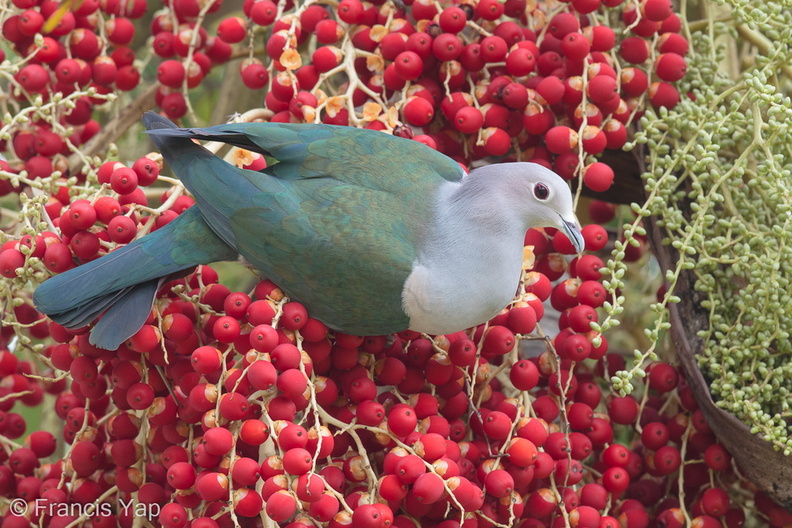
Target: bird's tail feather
{"x": 171, "y": 141}
{"x": 122, "y": 284}
{"x": 161, "y": 131}
{"x": 126, "y": 315}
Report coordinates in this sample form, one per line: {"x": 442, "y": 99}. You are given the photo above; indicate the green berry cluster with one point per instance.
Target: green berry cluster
{"x": 719, "y": 182}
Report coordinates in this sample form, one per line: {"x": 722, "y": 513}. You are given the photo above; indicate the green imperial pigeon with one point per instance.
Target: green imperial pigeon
{"x": 373, "y": 233}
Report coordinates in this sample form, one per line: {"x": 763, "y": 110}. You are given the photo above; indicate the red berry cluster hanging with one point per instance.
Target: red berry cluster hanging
{"x": 229, "y": 407}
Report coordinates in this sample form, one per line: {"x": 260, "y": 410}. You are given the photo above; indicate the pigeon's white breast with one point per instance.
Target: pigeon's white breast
{"x": 467, "y": 269}
{"x": 443, "y": 302}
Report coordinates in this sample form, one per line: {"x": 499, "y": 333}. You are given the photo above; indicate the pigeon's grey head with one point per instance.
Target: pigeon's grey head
{"x": 540, "y": 196}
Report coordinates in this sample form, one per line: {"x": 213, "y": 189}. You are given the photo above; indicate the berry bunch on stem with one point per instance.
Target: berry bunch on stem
{"x": 233, "y": 406}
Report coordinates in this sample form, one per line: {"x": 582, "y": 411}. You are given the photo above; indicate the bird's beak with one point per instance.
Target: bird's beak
{"x": 572, "y": 231}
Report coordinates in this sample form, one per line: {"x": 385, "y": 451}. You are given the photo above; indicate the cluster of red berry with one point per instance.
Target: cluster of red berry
{"x": 483, "y": 78}
{"x": 87, "y": 228}
{"x": 252, "y": 415}
{"x": 64, "y": 53}
{"x": 226, "y": 405}
{"x": 218, "y": 410}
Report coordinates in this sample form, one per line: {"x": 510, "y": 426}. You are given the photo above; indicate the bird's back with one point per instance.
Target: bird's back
{"x": 335, "y": 222}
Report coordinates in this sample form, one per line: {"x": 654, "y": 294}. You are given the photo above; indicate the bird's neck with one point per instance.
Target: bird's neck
{"x": 469, "y": 261}
{"x": 477, "y": 216}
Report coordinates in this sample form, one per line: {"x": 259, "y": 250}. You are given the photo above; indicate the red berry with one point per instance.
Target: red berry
{"x": 263, "y": 337}
{"x": 615, "y": 133}
{"x": 85, "y": 457}
{"x": 42, "y": 443}
{"x": 662, "y": 94}
{"x": 206, "y": 359}
{"x": 468, "y": 120}
{"x": 326, "y": 58}
{"x": 350, "y": 11}
{"x": 715, "y": 502}
{"x": 471, "y": 58}
{"x": 562, "y": 24}
{"x": 586, "y": 516}
{"x": 522, "y": 452}
{"x": 232, "y": 30}
{"x": 560, "y": 139}
{"x": 673, "y": 43}
{"x": 598, "y": 176}
{"x": 670, "y": 66}
{"x": 140, "y": 396}
{"x": 462, "y": 352}
{"x": 592, "y": 293}
{"x": 490, "y": 9}
{"x": 408, "y": 468}
{"x": 408, "y": 65}
{"x": 551, "y": 88}
{"x": 575, "y": 46}
{"x": 427, "y": 488}
{"x": 656, "y": 10}
{"x": 616, "y": 455}
{"x": 30, "y": 22}
{"x": 524, "y": 375}
{"x": 147, "y": 171}
{"x": 402, "y": 420}
{"x": 537, "y": 119}
{"x": 586, "y": 6}
{"x": 171, "y": 73}
{"x": 173, "y": 515}
{"x": 522, "y": 319}
{"x": 120, "y": 31}
{"x": 328, "y": 31}
{"x": 493, "y": 48}
{"x": 662, "y": 377}
{"x": 716, "y": 457}
{"x": 418, "y": 111}
{"x": 593, "y": 139}
{"x": 181, "y": 475}
{"x": 81, "y": 215}
{"x": 515, "y": 96}
{"x": 498, "y": 483}
{"x": 667, "y": 460}
{"x": 33, "y": 77}
{"x": 68, "y": 71}
{"x": 294, "y": 316}
{"x": 575, "y": 347}
{"x": 57, "y": 258}
{"x": 623, "y": 409}
{"x": 370, "y": 412}
{"x": 447, "y": 46}
{"x": 452, "y": 19}
{"x": 634, "y": 50}
{"x": 254, "y": 74}
{"x": 569, "y": 471}
{"x": 497, "y": 141}
{"x": 602, "y": 88}
{"x": 263, "y": 12}
{"x": 297, "y": 461}
{"x": 163, "y": 44}
{"x": 421, "y": 44}
{"x": 520, "y": 62}
{"x": 498, "y": 340}
{"x": 212, "y": 486}
{"x": 615, "y": 479}
{"x": 497, "y": 425}
{"x": 601, "y": 37}
{"x": 654, "y": 435}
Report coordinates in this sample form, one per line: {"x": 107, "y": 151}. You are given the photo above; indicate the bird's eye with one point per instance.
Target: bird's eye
{"x": 541, "y": 191}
